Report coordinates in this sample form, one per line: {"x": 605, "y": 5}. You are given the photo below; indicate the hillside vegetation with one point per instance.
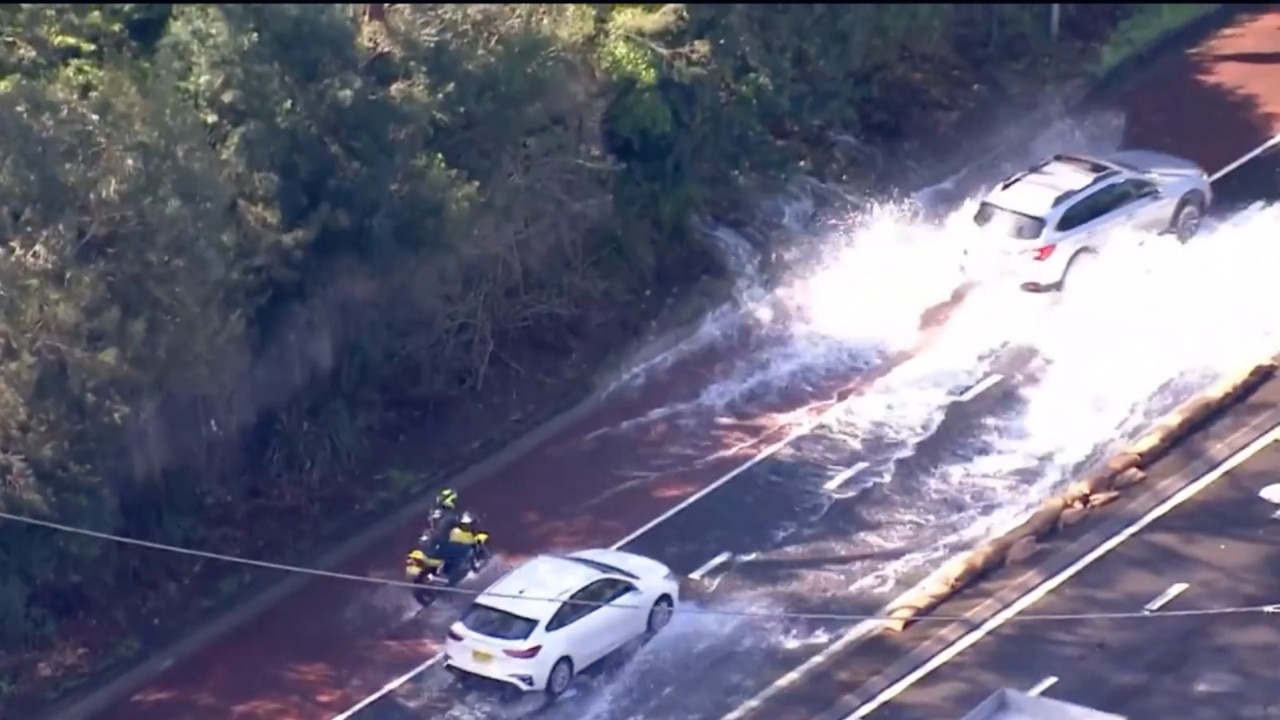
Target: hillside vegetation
{"x": 247, "y": 248}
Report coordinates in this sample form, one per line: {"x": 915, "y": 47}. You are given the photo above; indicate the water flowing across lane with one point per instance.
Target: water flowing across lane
{"x": 1154, "y": 322}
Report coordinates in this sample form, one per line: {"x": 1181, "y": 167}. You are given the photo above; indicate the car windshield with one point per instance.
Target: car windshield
{"x": 496, "y": 623}
{"x": 1008, "y": 223}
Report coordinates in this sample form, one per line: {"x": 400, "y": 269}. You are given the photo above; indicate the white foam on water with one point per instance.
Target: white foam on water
{"x": 1159, "y": 322}
{"x": 1155, "y": 323}
{"x": 687, "y": 670}
{"x": 860, "y": 294}
{"x": 859, "y": 299}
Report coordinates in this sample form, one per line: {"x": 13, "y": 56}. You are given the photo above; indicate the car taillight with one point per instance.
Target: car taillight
{"x": 524, "y": 654}
{"x": 453, "y": 635}
{"x": 1041, "y": 253}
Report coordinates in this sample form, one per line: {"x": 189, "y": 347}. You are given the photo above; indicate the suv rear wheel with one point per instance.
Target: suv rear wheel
{"x": 1080, "y": 270}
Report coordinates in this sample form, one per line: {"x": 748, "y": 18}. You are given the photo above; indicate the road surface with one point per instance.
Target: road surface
{"x": 1221, "y": 549}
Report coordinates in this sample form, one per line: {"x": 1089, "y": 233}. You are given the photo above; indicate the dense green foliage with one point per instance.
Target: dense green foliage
{"x": 239, "y": 241}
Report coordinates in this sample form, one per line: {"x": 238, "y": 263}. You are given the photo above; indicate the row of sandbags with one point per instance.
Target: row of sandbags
{"x": 1097, "y": 488}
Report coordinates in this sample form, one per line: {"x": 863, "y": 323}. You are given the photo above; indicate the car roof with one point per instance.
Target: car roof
{"x": 525, "y": 590}
{"x": 1040, "y": 189}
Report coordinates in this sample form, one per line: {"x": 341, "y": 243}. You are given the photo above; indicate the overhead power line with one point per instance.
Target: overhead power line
{"x": 724, "y": 612}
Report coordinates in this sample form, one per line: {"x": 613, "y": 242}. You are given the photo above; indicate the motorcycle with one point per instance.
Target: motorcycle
{"x": 422, "y": 569}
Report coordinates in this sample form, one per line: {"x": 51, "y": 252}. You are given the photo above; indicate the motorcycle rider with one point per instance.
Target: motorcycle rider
{"x": 461, "y": 549}
{"x": 454, "y": 538}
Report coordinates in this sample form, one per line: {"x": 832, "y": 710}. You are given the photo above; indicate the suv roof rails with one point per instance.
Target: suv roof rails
{"x": 1094, "y": 165}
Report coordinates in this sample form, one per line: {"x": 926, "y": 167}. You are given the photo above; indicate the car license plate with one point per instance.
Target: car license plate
{"x": 481, "y": 656}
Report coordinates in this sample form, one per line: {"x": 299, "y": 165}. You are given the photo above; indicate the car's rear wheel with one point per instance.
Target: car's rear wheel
{"x": 1187, "y": 217}
{"x": 1080, "y": 272}
{"x": 660, "y": 614}
{"x": 560, "y": 678}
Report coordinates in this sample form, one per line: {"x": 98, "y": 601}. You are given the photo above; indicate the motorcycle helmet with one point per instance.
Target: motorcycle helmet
{"x": 448, "y": 498}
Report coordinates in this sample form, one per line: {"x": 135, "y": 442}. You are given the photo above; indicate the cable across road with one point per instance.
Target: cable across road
{"x": 723, "y": 612}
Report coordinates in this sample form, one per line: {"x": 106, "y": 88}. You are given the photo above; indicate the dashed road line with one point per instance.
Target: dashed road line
{"x": 1166, "y": 597}
{"x": 1045, "y": 684}
{"x": 710, "y": 565}
{"x": 982, "y": 386}
{"x": 843, "y": 476}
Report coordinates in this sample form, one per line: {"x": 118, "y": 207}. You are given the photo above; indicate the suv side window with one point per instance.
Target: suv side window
{"x": 1094, "y": 206}
{"x": 1137, "y": 188}
{"x": 600, "y": 592}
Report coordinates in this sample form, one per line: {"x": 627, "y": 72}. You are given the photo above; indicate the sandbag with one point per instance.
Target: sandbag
{"x": 1099, "y": 480}
{"x": 900, "y": 618}
{"x": 1128, "y": 479}
{"x": 1197, "y": 411}
{"x": 1071, "y": 516}
{"x": 986, "y": 556}
{"x": 1123, "y": 462}
{"x": 1021, "y": 550}
{"x": 955, "y": 574}
{"x": 1154, "y": 444}
{"x": 1041, "y": 521}
{"x": 1099, "y": 499}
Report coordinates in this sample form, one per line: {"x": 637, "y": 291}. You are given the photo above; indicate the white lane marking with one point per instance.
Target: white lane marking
{"x": 1045, "y": 684}
{"x": 802, "y": 429}
{"x": 710, "y": 565}
{"x": 843, "y": 476}
{"x": 1270, "y": 493}
{"x": 1165, "y": 597}
{"x": 1245, "y": 158}
{"x": 859, "y": 631}
{"x": 1051, "y": 584}
{"x": 983, "y": 385}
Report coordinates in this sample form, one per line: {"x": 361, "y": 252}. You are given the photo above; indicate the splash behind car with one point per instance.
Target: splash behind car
{"x": 1039, "y": 224}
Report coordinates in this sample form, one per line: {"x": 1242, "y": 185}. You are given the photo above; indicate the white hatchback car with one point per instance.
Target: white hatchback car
{"x": 554, "y": 616}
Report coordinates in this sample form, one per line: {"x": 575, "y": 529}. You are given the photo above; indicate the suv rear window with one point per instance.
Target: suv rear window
{"x": 1008, "y": 223}
{"x": 496, "y": 623}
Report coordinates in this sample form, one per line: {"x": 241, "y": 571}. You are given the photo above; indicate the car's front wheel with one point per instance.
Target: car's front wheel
{"x": 660, "y": 615}
{"x": 1186, "y": 220}
{"x": 560, "y": 678}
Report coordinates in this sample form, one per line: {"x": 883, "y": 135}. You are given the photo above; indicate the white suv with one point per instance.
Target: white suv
{"x": 1037, "y": 224}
